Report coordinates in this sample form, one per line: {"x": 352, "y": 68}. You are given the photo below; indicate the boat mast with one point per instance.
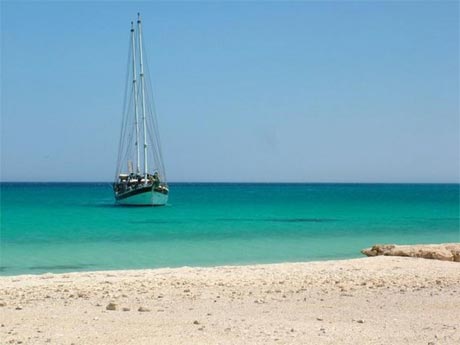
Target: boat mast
{"x": 133, "y": 43}
{"x": 139, "y": 31}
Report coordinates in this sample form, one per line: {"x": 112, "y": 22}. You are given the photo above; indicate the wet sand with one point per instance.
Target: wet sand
{"x": 378, "y": 300}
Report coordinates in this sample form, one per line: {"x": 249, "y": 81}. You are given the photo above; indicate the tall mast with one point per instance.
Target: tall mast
{"x": 139, "y": 31}
{"x": 133, "y": 43}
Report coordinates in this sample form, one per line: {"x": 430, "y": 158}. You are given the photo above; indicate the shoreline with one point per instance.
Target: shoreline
{"x": 360, "y": 301}
{"x": 210, "y": 266}
{"x": 440, "y": 251}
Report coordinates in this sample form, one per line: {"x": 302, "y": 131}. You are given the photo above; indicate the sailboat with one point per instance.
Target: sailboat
{"x": 140, "y": 178}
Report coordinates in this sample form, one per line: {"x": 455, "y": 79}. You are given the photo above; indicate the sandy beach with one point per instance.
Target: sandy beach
{"x": 379, "y": 300}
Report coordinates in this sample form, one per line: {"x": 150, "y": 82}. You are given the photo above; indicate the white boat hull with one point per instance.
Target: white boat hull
{"x": 149, "y": 198}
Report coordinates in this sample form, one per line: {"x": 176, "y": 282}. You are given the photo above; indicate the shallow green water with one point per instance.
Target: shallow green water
{"x": 74, "y": 227}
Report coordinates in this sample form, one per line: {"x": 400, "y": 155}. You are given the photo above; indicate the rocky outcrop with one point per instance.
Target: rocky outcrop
{"x": 445, "y": 252}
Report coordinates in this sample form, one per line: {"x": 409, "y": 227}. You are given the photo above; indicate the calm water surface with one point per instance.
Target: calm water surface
{"x": 75, "y": 227}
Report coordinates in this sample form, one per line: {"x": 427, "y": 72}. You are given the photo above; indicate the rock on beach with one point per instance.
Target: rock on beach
{"x": 444, "y": 252}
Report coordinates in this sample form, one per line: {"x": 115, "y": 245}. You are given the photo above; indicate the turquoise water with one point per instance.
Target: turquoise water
{"x": 76, "y": 227}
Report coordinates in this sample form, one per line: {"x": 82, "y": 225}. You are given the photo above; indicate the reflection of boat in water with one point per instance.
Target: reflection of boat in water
{"x": 135, "y": 186}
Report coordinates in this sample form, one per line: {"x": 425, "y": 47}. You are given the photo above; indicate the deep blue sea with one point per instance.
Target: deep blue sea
{"x": 63, "y": 227}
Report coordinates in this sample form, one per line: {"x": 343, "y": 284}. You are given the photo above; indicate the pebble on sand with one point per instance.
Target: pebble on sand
{"x": 111, "y": 306}
{"x": 143, "y": 309}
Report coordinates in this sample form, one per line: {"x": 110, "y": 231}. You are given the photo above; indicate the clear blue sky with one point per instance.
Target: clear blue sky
{"x": 269, "y": 91}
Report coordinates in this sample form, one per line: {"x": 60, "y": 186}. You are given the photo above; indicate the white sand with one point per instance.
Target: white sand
{"x": 381, "y": 300}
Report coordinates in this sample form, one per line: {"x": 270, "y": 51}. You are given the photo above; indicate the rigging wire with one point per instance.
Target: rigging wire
{"x": 154, "y": 123}
{"x": 120, "y": 144}
{"x": 126, "y": 149}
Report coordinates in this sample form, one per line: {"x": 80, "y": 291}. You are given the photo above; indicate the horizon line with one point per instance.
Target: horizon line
{"x": 256, "y": 182}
